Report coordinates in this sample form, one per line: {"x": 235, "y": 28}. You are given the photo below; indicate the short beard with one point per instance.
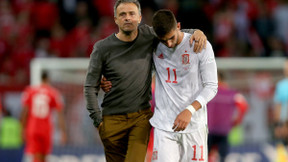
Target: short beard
{"x": 127, "y": 33}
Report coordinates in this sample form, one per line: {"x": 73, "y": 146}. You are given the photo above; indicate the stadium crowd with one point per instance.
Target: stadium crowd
{"x": 69, "y": 28}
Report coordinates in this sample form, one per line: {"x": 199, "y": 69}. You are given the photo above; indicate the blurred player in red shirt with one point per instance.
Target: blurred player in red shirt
{"x": 38, "y": 102}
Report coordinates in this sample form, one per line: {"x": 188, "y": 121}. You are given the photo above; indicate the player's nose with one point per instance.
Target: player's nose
{"x": 169, "y": 44}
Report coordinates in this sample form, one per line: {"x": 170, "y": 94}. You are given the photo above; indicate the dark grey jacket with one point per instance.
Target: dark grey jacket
{"x": 128, "y": 66}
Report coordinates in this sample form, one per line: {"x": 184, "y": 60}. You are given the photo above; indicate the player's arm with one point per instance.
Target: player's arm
{"x": 25, "y": 100}
{"x": 277, "y": 112}
{"x": 92, "y": 85}
{"x": 62, "y": 126}
{"x": 208, "y": 73}
{"x": 277, "y": 105}
{"x": 242, "y": 107}
{"x": 23, "y": 121}
{"x": 58, "y": 104}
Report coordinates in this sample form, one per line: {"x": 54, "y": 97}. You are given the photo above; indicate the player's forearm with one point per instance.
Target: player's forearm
{"x": 23, "y": 117}
{"x": 277, "y": 112}
{"x": 208, "y": 93}
{"x": 61, "y": 122}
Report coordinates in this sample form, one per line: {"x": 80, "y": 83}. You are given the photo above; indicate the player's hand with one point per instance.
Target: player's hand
{"x": 182, "y": 120}
{"x": 105, "y": 85}
{"x": 99, "y": 126}
{"x": 200, "y": 40}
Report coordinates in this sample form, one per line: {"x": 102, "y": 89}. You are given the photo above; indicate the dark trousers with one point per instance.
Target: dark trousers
{"x": 221, "y": 143}
{"x": 125, "y": 137}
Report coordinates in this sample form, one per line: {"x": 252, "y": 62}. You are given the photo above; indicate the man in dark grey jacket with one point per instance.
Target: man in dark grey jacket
{"x": 125, "y": 59}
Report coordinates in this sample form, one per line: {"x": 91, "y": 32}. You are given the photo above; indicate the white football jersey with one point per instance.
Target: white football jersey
{"x": 183, "y": 76}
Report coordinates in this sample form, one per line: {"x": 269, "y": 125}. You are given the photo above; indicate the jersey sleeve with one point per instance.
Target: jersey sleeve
{"x": 57, "y": 100}
{"x": 208, "y": 74}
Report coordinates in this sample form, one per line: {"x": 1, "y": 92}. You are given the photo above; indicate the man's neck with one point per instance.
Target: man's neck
{"x": 127, "y": 37}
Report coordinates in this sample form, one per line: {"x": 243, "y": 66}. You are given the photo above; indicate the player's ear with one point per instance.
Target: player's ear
{"x": 178, "y": 25}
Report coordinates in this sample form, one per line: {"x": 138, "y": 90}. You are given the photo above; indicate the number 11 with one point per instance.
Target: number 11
{"x": 175, "y": 76}
{"x": 194, "y": 154}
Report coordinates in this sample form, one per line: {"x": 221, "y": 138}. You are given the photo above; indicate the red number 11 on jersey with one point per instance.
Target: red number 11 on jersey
{"x": 175, "y": 76}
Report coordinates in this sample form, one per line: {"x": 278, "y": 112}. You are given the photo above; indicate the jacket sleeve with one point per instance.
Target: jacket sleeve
{"x": 92, "y": 85}
{"x": 190, "y": 31}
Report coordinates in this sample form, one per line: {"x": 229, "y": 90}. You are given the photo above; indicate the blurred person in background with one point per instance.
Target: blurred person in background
{"x": 225, "y": 111}
{"x": 125, "y": 59}
{"x": 38, "y": 103}
{"x": 0, "y": 107}
{"x": 10, "y": 131}
{"x": 281, "y": 108}
{"x": 10, "y": 137}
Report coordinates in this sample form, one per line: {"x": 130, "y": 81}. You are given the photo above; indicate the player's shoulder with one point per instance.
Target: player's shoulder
{"x": 52, "y": 89}
{"x": 206, "y": 51}
{"x": 187, "y": 37}
{"x": 283, "y": 83}
{"x": 27, "y": 90}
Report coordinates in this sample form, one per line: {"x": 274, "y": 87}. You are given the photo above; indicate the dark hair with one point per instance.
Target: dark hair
{"x": 44, "y": 76}
{"x": 163, "y": 22}
{"x": 118, "y": 2}
{"x": 221, "y": 76}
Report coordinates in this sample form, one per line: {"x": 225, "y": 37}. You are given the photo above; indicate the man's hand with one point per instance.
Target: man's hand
{"x": 100, "y": 125}
{"x": 105, "y": 85}
{"x": 200, "y": 40}
{"x": 182, "y": 120}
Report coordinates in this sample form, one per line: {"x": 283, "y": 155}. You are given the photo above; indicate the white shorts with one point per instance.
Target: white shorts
{"x": 180, "y": 147}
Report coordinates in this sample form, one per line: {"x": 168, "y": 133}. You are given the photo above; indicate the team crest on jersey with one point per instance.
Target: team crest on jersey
{"x": 161, "y": 56}
{"x": 185, "y": 59}
{"x": 155, "y": 155}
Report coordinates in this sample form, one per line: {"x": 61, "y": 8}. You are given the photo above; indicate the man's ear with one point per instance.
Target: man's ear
{"x": 140, "y": 19}
{"x": 115, "y": 19}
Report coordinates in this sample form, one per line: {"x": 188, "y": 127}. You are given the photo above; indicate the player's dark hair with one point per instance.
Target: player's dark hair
{"x": 118, "y": 2}
{"x": 163, "y": 22}
{"x": 44, "y": 76}
{"x": 221, "y": 76}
